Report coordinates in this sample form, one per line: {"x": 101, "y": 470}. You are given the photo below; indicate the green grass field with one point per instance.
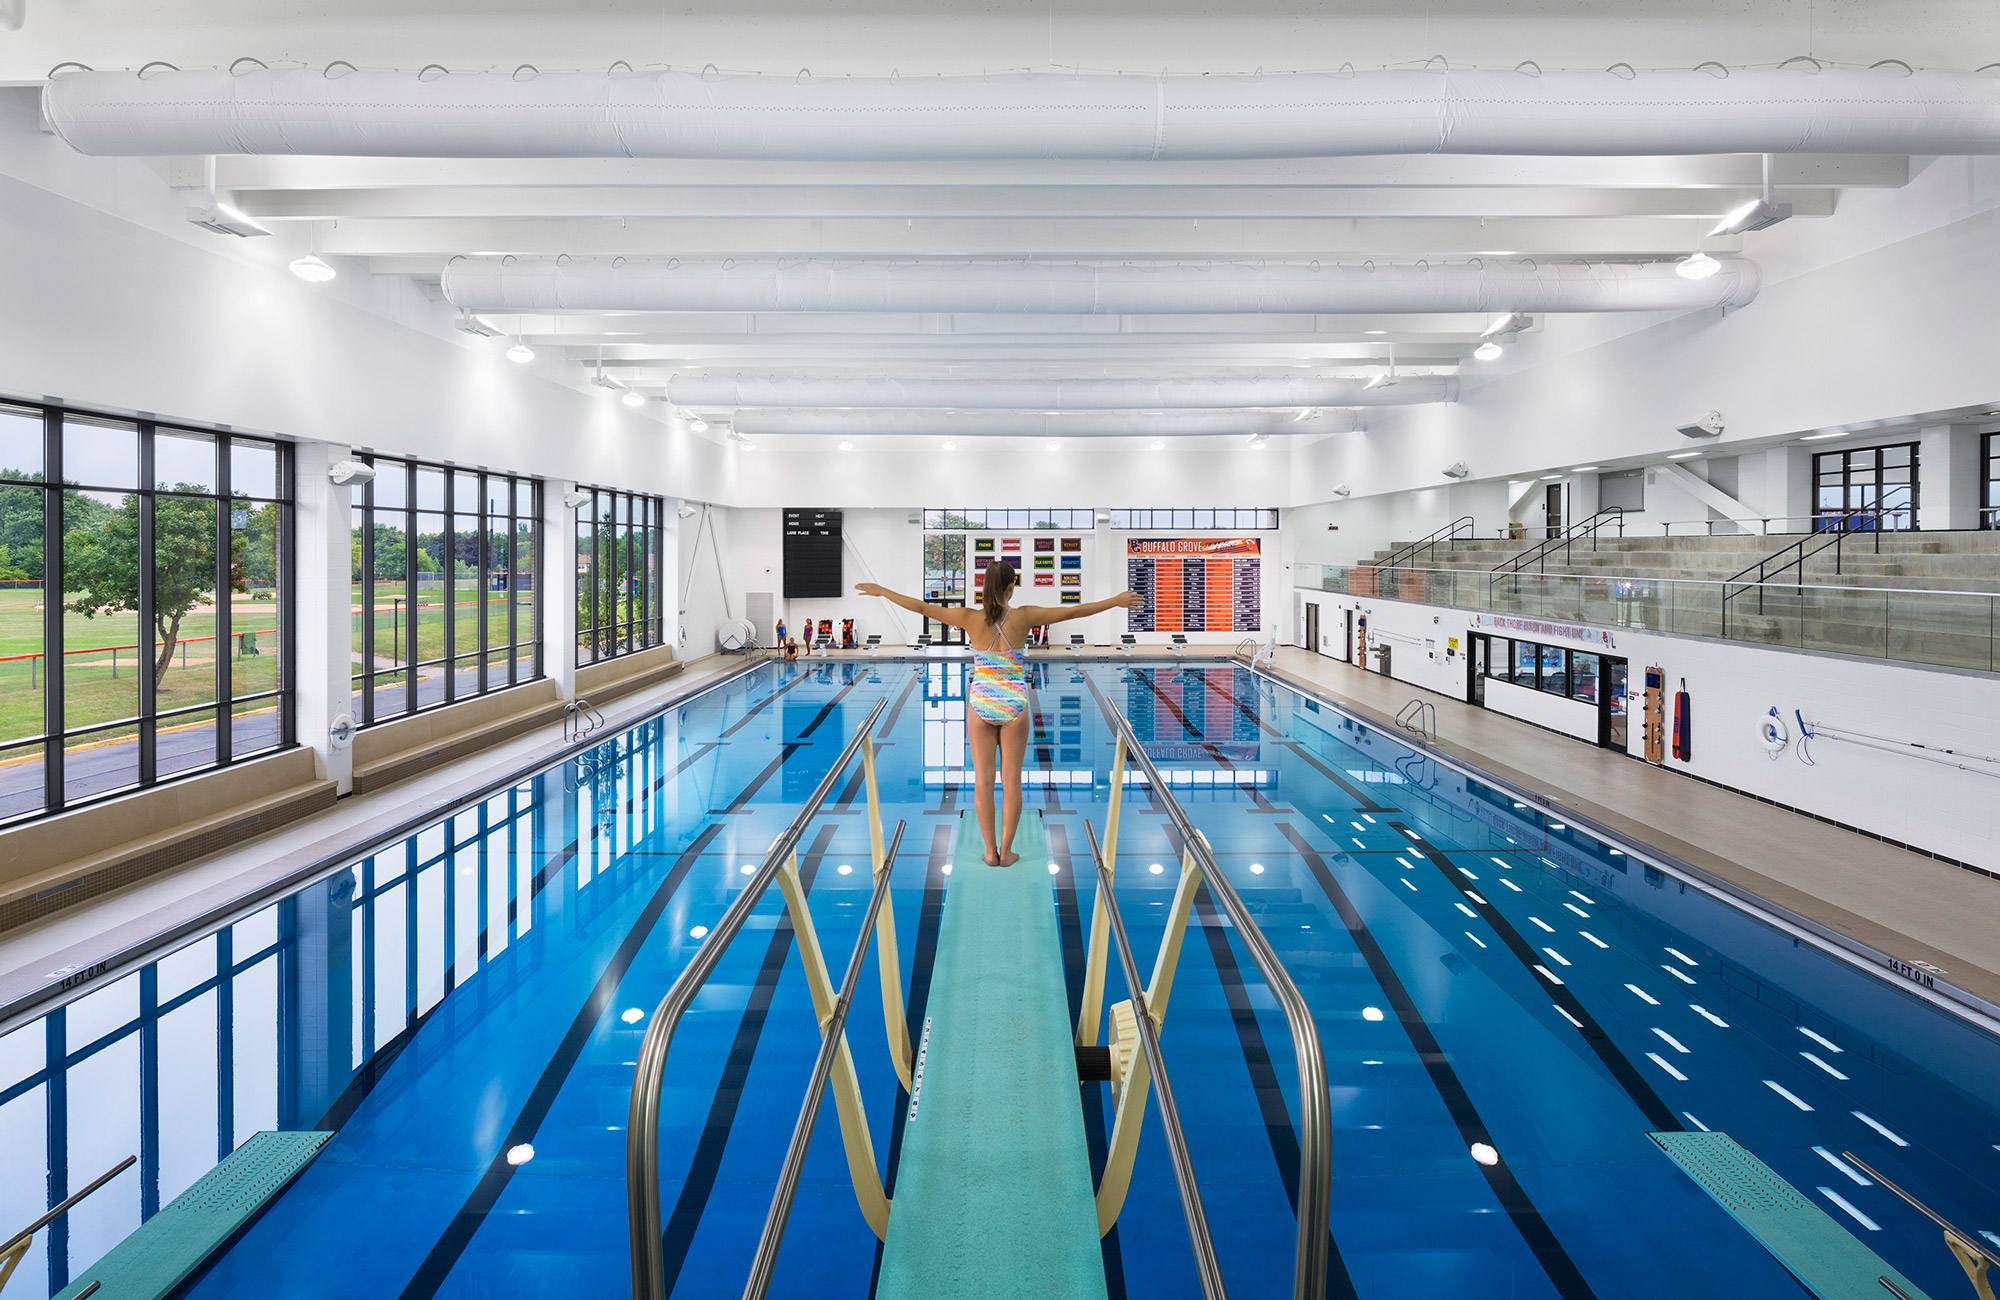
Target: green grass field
{"x": 95, "y": 689}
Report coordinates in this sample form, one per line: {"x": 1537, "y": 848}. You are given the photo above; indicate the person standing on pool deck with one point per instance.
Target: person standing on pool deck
{"x": 998, "y": 691}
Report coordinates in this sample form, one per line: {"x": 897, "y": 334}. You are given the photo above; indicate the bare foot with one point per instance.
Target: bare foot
{"x": 990, "y": 858}
{"x": 1009, "y": 859}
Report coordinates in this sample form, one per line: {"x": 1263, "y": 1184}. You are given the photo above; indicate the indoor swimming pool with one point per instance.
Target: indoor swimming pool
{"x": 1507, "y": 1007}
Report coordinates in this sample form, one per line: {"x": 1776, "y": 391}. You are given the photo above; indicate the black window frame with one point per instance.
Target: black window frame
{"x": 365, "y": 686}
{"x": 56, "y": 733}
{"x": 1848, "y": 476}
{"x": 1989, "y": 512}
{"x": 640, "y": 514}
{"x": 1002, "y": 519}
{"x": 1206, "y": 519}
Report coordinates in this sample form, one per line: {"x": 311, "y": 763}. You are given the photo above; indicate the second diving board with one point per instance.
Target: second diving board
{"x": 993, "y": 1186}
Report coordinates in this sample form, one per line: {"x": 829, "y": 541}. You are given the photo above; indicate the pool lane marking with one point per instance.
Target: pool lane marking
{"x": 1259, "y": 803}
{"x": 1362, "y": 802}
{"x": 759, "y": 707}
{"x": 1528, "y": 1221}
{"x": 923, "y": 960}
{"x": 485, "y": 1194}
{"x": 896, "y": 709}
{"x": 1622, "y": 1070}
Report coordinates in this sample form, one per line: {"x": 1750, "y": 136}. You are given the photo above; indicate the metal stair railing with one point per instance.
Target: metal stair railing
{"x": 1198, "y": 866}
{"x": 1833, "y": 532}
{"x": 1565, "y": 541}
{"x": 1463, "y": 526}
{"x": 642, "y": 1134}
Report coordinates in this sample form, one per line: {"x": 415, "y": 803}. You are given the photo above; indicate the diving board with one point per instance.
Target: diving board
{"x": 993, "y": 1187}
{"x": 1823, "y": 1255}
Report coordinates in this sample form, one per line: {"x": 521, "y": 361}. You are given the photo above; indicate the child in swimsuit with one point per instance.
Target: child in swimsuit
{"x": 997, "y": 723}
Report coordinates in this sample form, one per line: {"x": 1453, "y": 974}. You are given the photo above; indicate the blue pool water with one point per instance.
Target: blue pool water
{"x": 1479, "y": 974}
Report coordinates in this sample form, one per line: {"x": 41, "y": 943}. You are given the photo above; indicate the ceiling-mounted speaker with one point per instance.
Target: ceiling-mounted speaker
{"x": 1708, "y": 426}
{"x": 916, "y": 518}
{"x": 350, "y": 473}
{"x": 571, "y": 500}
{"x": 1343, "y": 491}
{"x": 1457, "y": 469}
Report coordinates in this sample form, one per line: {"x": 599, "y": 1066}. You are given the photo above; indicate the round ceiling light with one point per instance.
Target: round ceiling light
{"x": 1488, "y": 350}
{"x": 949, "y": 445}
{"x": 845, "y": 445}
{"x": 633, "y": 399}
{"x": 312, "y": 270}
{"x": 520, "y": 354}
{"x": 1696, "y": 266}
{"x": 1157, "y": 445}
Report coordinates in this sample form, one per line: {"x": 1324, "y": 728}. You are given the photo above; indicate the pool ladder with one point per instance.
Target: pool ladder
{"x": 1419, "y": 718}
{"x": 580, "y": 718}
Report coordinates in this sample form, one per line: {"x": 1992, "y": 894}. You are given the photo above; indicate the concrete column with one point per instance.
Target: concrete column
{"x": 1949, "y": 475}
{"x": 325, "y": 616}
{"x": 558, "y": 579}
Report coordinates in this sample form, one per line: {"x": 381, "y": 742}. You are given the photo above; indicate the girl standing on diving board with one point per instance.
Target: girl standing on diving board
{"x": 998, "y": 691}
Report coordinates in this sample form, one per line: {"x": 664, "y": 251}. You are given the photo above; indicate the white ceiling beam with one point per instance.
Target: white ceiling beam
{"x": 1110, "y": 238}
{"x": 1706, "y": 171}
{"x": 1154, "y": 202}
{"x": 670, "y": 327}
{"x": 873, "y": 353}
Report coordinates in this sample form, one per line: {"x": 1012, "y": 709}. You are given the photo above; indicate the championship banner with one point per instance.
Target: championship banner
{"x": 1193, "y": 546}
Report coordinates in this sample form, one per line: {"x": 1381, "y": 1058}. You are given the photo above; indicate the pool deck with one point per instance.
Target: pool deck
{"x": 1905, "y": 904}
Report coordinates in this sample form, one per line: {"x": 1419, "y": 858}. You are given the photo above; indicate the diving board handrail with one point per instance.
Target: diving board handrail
{"x": 15, "y": 1248}
{"x": 833, "y": 1037}
{"x": 1973, "y": 1255}
{"x": 642, "y": 1128}
{"x": 1315, "y": 1140}
{"x": 1170, "y": 1115}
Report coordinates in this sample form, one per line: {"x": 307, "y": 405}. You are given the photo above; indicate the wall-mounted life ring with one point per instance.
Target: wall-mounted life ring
{"x": 1772, "y": 734}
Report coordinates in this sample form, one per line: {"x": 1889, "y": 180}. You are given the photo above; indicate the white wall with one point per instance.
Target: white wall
{"x": 1732, "y": 685}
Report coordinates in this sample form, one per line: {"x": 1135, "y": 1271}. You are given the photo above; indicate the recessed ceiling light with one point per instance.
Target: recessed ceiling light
{"x": 697, "y": 425}
{"x": 949, "y": 445}
{"x": 1686, "y": 455}
{"x": 520, "y": 1154}
{"x": 1484, "y": 1154}
{"x": 1550, "y": 477}
{"x": 1374, "y": 331}
{"x": 1256, "y": 868}
{"x": 1696, "y": 266}
{"x": 845, "y": 445}
{"x": 520, "y": 354}
{"x": 1822, "y": 437}
{"x": 1488, "y": 351}
{"x": 1371, "y": 1013}
{"x": 1586, "y": 469}
{"x": 1156, "y": 868}
{"x": 311, "y": 269}
{"x": 1054, "y": 445}
{"x": 1157, "y": 445}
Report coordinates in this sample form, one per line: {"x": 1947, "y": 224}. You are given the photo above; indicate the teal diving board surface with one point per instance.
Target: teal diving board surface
{"x": 163, "y": 1250}
{"x": 1824, "y": 1256}
{"x": 993, "y": 1189}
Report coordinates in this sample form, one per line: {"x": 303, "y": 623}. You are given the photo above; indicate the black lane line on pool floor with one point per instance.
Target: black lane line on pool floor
{"x": 486, "y": 1194}
{"x": 1657, "y": 1112}
{"x": 760, "y": 706}
{"x": 923, "y": 959}
{"x": 1528, "y": 1221}
{"x": 1270, "y": 1094}
{"x": 896, "y": 709}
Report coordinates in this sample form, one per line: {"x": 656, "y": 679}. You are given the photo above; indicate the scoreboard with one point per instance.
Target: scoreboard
{"x": 812, "y": 554}
{"x": 1194, "y": 584}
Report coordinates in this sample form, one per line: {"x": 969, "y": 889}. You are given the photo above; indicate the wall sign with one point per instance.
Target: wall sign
{"x": 1538, "y": 627}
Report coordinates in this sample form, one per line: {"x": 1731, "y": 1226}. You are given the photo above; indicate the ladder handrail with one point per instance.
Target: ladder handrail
{"x": 642, "y": 1127}
{"x": 1565, "y": 539}
{"x": 1315, "y": 1140}
{"x": 1156, "y": 1063}
{"x": 833, "y": 1038}
{"x": 1410, "y": 550}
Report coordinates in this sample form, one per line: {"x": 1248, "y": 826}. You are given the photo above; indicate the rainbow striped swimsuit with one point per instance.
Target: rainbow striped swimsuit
{"x": 999, "y": 687}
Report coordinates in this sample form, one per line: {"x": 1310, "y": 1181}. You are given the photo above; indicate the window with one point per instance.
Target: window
{"x": 145, "y": 608}
{"x": 979, "y": 520}
{"x": 1195, "y": 520}
{"x": 445, "y": 602}
{"x": 1866, "y": 487}
{"x": 618, "y": 585}
{"x": 1989, "y": 516}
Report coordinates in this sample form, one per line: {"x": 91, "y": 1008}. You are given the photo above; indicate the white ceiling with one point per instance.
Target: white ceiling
{"x": 407, "y": 217}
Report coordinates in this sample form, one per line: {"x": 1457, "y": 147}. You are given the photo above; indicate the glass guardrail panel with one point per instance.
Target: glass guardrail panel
{"x": 1946, "y": 628}
{"x": 1841, "y": 620}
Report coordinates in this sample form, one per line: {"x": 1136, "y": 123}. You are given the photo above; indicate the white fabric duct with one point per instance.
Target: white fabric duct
{"x": 1036, "y": 424}
{"x": 1035, "y": 115}
{"x": 1057, "y": 394}
{"x": 504, "y": 284}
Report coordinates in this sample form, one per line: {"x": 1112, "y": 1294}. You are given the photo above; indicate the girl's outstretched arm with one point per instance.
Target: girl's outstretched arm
{"x": 1041, "y": 615}
{"x": 954, "y": 615}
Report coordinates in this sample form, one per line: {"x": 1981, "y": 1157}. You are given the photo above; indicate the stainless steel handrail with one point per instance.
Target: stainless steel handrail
{"x": 68, "y": 1203}
{"x": 1951, "y": 1229}
{"x": 1170, "y": 1115}
{"x": 831, "y": 1038}
{"x": 1315, "y": 1141}
{"x": 642, "y": 1123}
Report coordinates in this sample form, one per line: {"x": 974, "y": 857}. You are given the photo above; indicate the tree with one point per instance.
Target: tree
{"x": 11, "y": 572}
{"x": 21, "y": 518}
{"x": 102, "y": 563}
